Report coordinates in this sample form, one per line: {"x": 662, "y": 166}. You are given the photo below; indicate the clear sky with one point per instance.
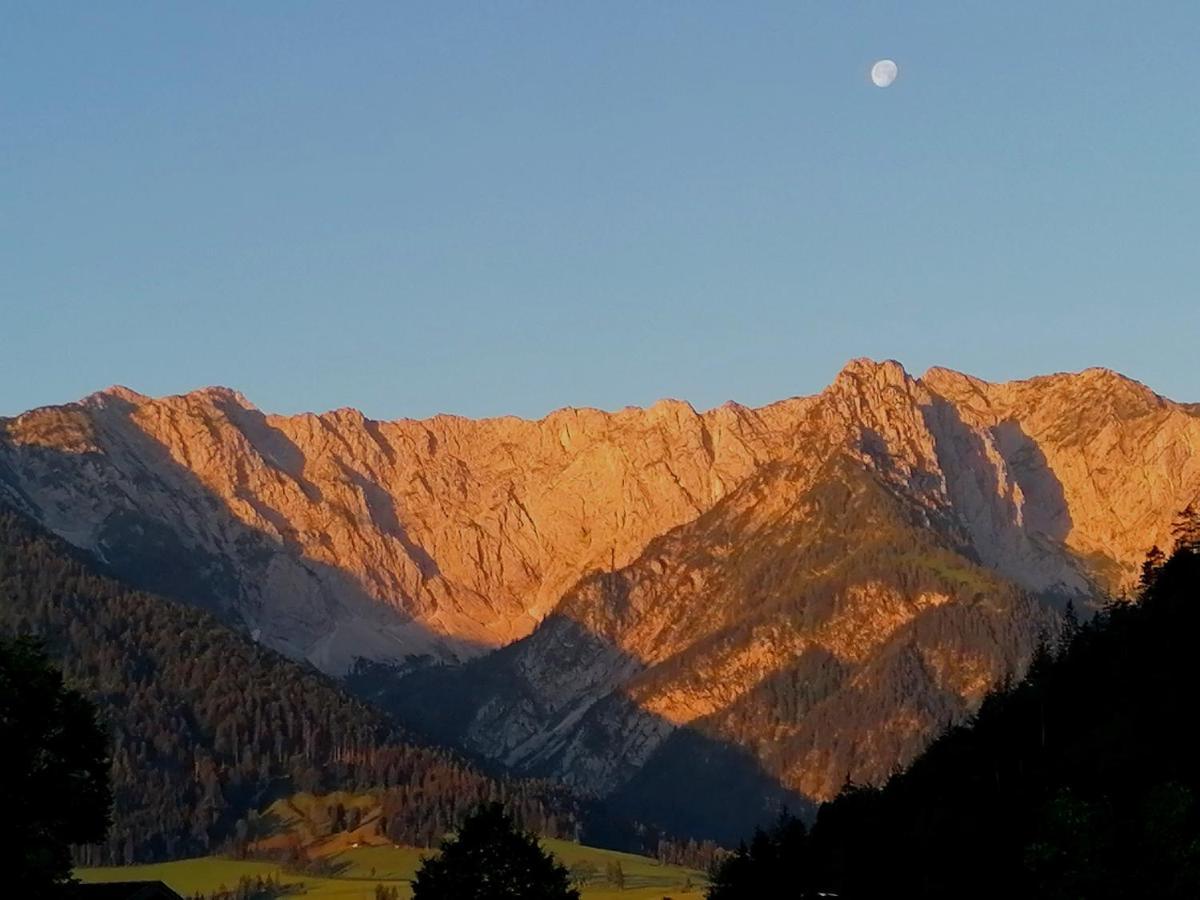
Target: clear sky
{"x": 507, "y": 207}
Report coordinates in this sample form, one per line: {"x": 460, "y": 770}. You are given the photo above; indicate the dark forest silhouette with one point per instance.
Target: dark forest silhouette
{"x": 207, "y": 727}
{"x": 1080, "y": 781}
{"x": 54, "y": 788}
{"x": 489, "y": 858}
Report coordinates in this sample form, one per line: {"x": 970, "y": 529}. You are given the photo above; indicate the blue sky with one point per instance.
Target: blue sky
{"x": 508, "y": 207}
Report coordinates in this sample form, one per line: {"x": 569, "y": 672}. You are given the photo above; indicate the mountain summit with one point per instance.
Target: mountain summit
{"x": 822, "y": 581}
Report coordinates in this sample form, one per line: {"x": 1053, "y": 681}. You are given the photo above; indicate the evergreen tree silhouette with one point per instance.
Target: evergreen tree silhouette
{"x": 1186, "y": 530}
{"x": 491, "y": 859}
{"x": 773, "y": 865}
{"x": 228, "y": 721}
{"x": 1070, "y": 626}
{"x": 1150, "y": 566}
{"x": 54, "y": 787}
{"x": 1078, "y": 781}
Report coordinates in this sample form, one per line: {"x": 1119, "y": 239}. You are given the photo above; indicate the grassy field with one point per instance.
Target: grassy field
{"x": 361, "y": 868}
{"x": 362, "y": 858}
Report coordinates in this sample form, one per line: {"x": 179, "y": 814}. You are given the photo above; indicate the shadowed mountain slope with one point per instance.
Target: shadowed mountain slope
{"x": 837, "y": 658}
{"x": 1080, "y": 781}
{"x": 208, "y": 727}
{"x": 821, "y": 583}
{"x": 337, "y": 537}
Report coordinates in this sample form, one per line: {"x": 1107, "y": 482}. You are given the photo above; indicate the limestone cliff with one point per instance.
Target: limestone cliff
{"x": 335, "y": 536}
{"x": 821, "y": 583}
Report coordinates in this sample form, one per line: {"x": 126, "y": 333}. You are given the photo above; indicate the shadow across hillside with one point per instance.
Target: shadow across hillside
{"x": 566, "y": 718}
{"x": 673, "y": 779}
{"x": 282, "y": 453}
{"x": 565, "y": 699}
{"x": 695, "y": 782}
{"x": 1010, "y": 502}
{"x": 167, "y": 533}
{"x": 160, "y": 509}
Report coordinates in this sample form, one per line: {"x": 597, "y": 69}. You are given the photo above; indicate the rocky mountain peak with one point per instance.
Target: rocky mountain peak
{"x": 864, "y": 384}
{"x": 864, "y": 371}
{"x": 818, "y": 583}
{"x": 952, "y": 383}
{"x": 219, "y": 394}
{"x": 117, "y": 393}
{"x": 340, "y": 536}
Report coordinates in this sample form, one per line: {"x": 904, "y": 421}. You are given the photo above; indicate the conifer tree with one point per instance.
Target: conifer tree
{"x": 1070, "y": 626}
{"x": 1150, "y": 566}
{"x": 491, "y": 859}
{"x": 1186, "y": 530}
{"x": 54, "y": 788}
{"x": 228, "y": 721}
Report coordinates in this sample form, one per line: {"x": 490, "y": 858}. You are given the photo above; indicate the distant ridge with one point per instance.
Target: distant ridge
{"x": 821, "y": 582}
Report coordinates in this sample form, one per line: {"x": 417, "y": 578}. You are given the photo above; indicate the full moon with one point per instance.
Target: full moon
{"x": 884, "y": 72}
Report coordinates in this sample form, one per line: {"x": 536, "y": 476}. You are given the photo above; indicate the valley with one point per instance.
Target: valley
{"x": 350, "y": 863}
{"x": 763, "y": 602}
{"x": 599, "y": 451}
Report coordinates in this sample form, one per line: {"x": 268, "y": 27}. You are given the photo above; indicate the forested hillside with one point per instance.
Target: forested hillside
{"x": 640, "y": 603}
{"x": 208, "y": 726}
{"x": 697, "y": 688}
{"x": 1080, "y": 782}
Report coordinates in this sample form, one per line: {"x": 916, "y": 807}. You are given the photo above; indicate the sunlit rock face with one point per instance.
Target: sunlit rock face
{"x": 822, "y": 582}
{"x": 843, "y": 604}
{"x": 338, "y": 536}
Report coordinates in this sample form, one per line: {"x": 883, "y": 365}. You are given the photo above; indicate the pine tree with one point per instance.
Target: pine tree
{"x": 54, "y": 788}
{"x": 1070, "y": 626}
{"x": 1186, "y": 530}
{"x": 1150, "y": 566}
{"x": 773, "y": 865}
{"x": 175, "y": 686}
{"x": 491, "y": 859}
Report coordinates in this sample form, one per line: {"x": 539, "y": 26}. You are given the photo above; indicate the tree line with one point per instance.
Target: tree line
{"x": 206, "y": 726}
{"x": 1080, "y": 781}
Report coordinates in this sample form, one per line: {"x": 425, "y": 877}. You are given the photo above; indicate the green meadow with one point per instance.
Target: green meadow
{"x": 360, "y": 869}
{"x": 361, "y": 859}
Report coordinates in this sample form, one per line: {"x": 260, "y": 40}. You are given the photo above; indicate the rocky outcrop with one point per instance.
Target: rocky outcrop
{"x": 841, "y": 605}
{"x": 822, "y": 582}
{"x": 334, "y": 536}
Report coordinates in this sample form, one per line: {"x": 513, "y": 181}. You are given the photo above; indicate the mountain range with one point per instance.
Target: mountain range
{"x": 646, "y": 601}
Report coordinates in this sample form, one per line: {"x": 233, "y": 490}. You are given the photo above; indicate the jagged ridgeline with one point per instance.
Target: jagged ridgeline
{"x": 641, "y": 602}
{"x": 208, "y": 727}
{"x": 869, "y": 628}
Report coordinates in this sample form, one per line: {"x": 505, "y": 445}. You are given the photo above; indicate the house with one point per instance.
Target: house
{"x": 125, "y": 890}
